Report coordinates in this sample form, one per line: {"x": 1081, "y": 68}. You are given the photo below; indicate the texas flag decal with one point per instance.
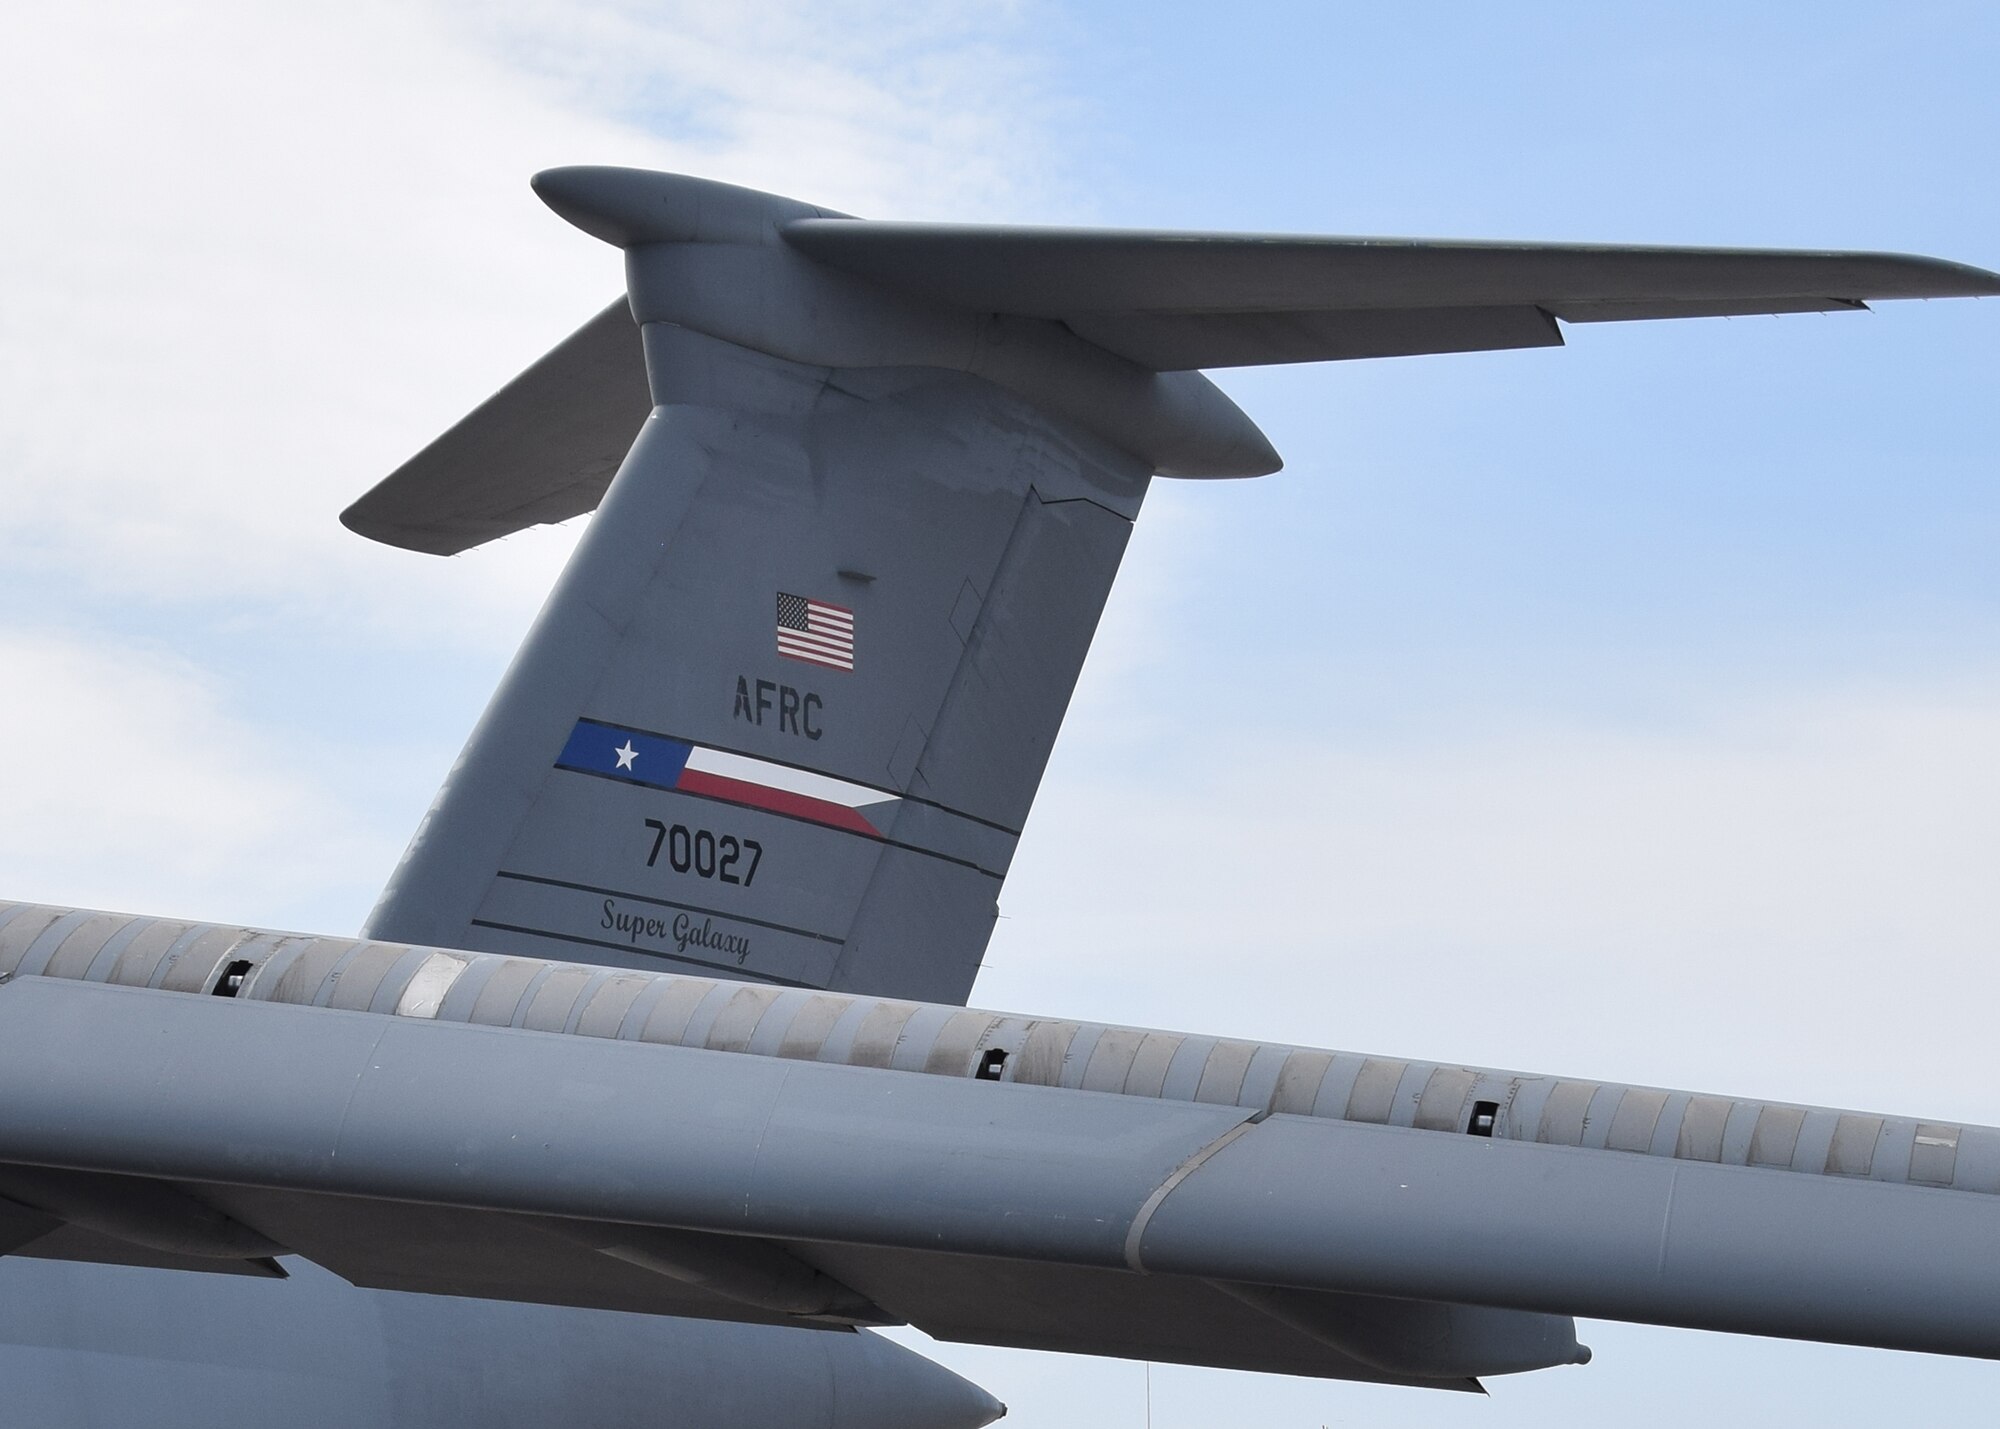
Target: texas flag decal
{"x": 662, "y": 762}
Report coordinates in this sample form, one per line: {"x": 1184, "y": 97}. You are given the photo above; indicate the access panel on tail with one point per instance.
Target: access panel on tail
{"x": 785, "y": 712}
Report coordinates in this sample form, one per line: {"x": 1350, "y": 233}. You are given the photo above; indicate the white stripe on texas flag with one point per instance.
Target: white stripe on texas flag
{"x": 742, "y": 779}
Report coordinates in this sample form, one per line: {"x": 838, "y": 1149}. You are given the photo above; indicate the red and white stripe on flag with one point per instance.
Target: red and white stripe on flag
{"x": 815, "y": 632}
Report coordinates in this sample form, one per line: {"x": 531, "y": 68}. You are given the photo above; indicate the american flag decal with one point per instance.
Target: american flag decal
{"x": 815, "y": 632}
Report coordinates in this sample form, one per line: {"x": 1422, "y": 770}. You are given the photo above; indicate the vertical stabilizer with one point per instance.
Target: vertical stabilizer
{"x": 785, "y": 712}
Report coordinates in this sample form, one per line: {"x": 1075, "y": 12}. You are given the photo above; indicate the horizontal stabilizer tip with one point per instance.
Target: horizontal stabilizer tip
{"x": 541, "y": 450}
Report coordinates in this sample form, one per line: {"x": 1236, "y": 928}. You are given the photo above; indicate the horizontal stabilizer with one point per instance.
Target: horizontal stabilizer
{"x": 540, "y": 450}
{"x": 1171, "y": 301}
{"x": 1102, "y": 327}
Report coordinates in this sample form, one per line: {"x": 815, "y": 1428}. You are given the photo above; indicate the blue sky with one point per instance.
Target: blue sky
{"x": 1626, "y": 710}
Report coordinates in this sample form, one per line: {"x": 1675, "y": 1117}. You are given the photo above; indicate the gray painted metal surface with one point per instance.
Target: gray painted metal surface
{"x": 1200, "y": 1158}
{"x": 844, "y": 581}
{"x": 289, "y": 1115}
{"x": 713, "y": 258}
{"x": 948, "y": 1041}
{"x": 672, "y": 776}
{"x": 351, "y": 1148}
{"x": 109, "y": 1347}
{"x": 1169, "y": 301}
{"x": 542, "y": 449}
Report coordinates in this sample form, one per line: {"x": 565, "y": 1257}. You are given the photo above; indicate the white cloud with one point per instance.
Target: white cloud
{"x": 129, "y": 784}
{"x": 1780, "y": 897}
{"x": 261, "y": 255}
{"x": 270, "y": 252}
{"x": 880, "y": 108}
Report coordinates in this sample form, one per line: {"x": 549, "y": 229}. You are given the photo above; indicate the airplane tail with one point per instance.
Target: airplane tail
{"x": 785, "y": 711}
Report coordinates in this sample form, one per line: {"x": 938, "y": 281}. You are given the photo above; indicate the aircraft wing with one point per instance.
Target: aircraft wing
{"x": 502, "y": 1162}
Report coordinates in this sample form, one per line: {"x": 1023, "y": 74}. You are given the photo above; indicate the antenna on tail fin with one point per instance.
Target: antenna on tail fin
{"x": 786, "y": 710}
